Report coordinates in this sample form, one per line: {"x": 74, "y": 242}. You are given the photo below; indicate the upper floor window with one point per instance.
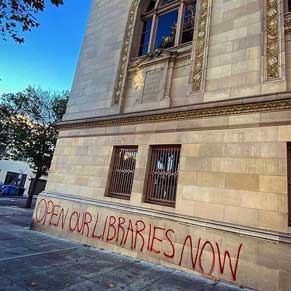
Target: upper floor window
{"x": 167, "y": 23}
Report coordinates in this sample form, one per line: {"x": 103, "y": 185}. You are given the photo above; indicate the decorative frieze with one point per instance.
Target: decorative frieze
{"x": 288, "y": 23}
{"x": 257, "y": 107}
{"x": 200, "y": 46}
{"x": 272, "y": 30}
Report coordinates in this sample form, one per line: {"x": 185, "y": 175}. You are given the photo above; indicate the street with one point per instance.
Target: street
{"x": 34, "y": 261}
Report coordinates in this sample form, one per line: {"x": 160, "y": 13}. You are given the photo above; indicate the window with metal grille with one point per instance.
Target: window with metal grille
{"x": 124, "y": 159}
{"x": 163, "y": 175}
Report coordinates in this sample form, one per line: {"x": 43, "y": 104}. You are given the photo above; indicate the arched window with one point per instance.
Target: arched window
{"x": 167, "y": 23}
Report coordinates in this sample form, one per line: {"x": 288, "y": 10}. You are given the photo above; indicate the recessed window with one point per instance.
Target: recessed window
{"x": 163, "y": 175}
{"x": 145, "y": 38}
{"x": 167, "y": 24}
{"x": 289, "y": 6}
{"x": 166, "y": 30}
{"x": 122, "y": 174}
{"x": 188, "y": 23}
{"x": 151, "y": 5}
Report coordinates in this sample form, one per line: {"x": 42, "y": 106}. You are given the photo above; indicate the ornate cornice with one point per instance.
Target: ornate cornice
{"x": 130, "y": 119}
{"x": 272, "y": 30}
{"x": 200, "y": 46}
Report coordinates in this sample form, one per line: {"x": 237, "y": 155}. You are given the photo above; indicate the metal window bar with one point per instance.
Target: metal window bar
{"x": 163, "y": 175}
{"x": 122, "y": 172}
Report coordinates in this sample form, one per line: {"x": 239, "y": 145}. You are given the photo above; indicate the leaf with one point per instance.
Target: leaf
{"x": 111, "y": 285}
{"x": 17, "y": 16}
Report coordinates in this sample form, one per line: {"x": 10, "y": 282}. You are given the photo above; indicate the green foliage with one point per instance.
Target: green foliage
{"x": 4, "y": 129}
{"x": 28, "y": 125}
{"x": 17, "y": 16}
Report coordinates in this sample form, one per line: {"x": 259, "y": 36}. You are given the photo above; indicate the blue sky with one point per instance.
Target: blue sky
{"x": 49, "y": 55}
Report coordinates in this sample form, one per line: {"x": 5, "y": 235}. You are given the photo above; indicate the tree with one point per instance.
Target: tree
{"x": 18, "y": 16}
{"x": 29, "y": 132}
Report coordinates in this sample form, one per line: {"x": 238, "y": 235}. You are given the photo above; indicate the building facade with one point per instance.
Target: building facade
{"x": 20, "y": 174}
{"x": 175, "y": 144}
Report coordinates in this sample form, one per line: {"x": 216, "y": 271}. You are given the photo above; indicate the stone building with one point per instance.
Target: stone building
{"x": 175, "y": 144}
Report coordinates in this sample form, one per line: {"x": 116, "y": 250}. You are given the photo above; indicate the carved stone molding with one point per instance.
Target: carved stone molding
{"x": 275, "y": 105}
{"x": 272, "y": 37}
{"x": 200, "y": 46}
{"x": 288, "y": 23}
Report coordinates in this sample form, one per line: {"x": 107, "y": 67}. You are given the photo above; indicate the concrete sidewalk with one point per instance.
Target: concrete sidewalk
{"x": 35, "y": 261}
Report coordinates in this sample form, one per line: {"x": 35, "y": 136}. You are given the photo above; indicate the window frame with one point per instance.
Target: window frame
{"x": 158, "y": 11}
{"x": 122, "y": 181}
{"x": 148, "y": 196}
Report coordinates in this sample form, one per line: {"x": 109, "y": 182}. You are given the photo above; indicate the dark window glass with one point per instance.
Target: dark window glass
{"x": 145, "y": 38}
{"x": 124, "y": 159}
{"x": 15, "y": 179}
{"x": 163, "y": 175}
{"x": 289, "y": 6}
{"x": 166, "y": 30}
{"x": 188, "y": 22}
{"x": 151, "y": 6}
{"x": 166, "y": 2}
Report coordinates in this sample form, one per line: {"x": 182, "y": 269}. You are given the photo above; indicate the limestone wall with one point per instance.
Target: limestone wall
{"x": 233, "y": 175}
{"x": 97, "y": 68}
{"x": 176, "y": 242}
{"x": 235, "y": 63}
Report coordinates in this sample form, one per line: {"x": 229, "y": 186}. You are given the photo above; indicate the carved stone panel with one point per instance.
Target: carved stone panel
{"x": 200, "y": 47}
{"x": 153, "y": 86}
{"x": 288, "y": 23}
{"x": 272, "y": 30}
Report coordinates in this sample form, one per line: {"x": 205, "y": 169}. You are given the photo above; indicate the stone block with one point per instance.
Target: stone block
{"x": 242, "y": 182}
{"x": 257, "y": 200}
{"x": 225, "y": 197}
{"x": 208, "y": 179}
{"x": 276, "y": 184}
{"x": 273, "y": 220}
{"x": 241, "y": 216}
{"x": 208, "y": 211}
